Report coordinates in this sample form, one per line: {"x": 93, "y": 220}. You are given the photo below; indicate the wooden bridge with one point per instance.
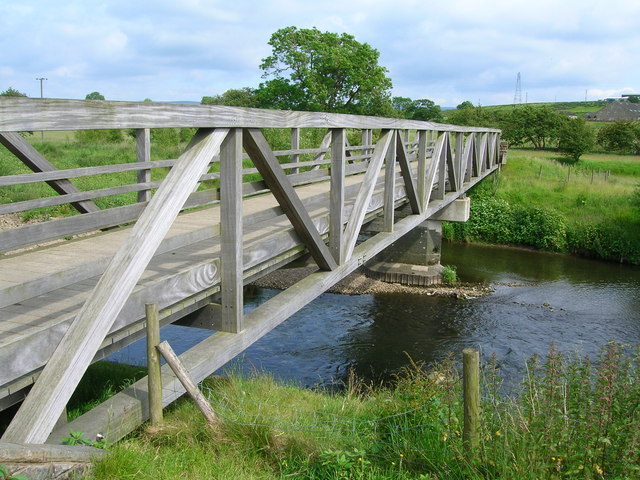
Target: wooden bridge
{"x": 230, "y": 209}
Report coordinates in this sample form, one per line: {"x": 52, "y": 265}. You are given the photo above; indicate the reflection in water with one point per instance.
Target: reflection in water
{"x": 578, "y": 304}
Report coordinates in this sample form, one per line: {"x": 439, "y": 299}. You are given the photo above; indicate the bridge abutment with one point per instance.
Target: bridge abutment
{"x": 415, "y": 258}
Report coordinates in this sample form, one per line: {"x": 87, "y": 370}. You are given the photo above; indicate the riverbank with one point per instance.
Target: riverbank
{"x": 562, "y": 425}
{"x": 357, "y": 283}
{"x": 591, "y": 209}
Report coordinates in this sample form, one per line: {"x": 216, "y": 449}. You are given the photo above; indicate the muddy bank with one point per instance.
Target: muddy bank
{"x": 358, "y": 283}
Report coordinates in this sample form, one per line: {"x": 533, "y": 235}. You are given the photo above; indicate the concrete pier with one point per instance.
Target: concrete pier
{"x": 414, "y": 259}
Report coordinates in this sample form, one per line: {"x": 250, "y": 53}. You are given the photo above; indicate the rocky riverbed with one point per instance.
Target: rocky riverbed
{"x": 358, "y": 283}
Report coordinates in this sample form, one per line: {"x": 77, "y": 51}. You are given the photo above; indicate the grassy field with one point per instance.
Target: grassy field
{"x": 572, "y": 418}
{"x": 582, "y": 193}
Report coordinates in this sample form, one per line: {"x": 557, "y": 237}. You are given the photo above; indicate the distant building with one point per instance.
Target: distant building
{"x": 616, "y": 112}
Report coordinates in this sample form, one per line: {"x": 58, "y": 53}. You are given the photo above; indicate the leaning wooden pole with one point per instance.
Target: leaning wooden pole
{"x": 471, "y": 385}
{"x": 183, "y": 375}
{"x": 153, "y": 364}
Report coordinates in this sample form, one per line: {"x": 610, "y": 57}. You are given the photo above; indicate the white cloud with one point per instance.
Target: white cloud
{"x": 448, "y": 51}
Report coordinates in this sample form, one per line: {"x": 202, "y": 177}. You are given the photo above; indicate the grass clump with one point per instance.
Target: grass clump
{"x": 572, "y": 417}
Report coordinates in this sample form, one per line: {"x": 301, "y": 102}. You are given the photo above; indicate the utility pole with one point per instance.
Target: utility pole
{"x": 41, "y": 79}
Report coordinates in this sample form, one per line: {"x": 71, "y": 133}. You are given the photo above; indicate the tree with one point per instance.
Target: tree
{"x": 323, "y": 71}
{"x": 621, "y": 137}
{"x": 575, "y": 138}
{"x": 12, "y": 92}
{"x": 539, "y": 126}
{"x": 634, "y": 98}
{"x": 423, "y": 109}
{"x": 465, "y": 104}
{"x": 234, "y": 97}
{"x": 94, "y": 96}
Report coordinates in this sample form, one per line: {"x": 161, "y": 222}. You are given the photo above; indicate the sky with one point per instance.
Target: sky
{"x": 447, "y": 51}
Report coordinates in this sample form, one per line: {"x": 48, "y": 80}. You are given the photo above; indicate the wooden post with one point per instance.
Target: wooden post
{"x": 471, "y": 386}
{"x": 390, "y": 182}
{"x": 143, "y": 154}
{"x": 153, "y": 364}
{"x": 231, "y": 240}
{"x": 295, "y": 145}
{"x": 336, "y": 194}
{"x": 183, "y": 375}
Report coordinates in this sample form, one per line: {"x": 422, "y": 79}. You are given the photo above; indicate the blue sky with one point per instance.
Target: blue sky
{"x": 447, "y": 51}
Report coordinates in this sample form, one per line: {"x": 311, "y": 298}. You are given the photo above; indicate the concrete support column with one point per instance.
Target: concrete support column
{"x": 414, "y": 259}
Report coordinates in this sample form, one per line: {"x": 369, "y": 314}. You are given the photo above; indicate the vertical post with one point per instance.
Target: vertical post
{"x": 390, "y": 183}
{"x": 367, "y": 139}
{"x": 143, "y": 154}
{"x": 442, "y": 165}
{"x": 153, "y": 364}
{"x": 459, "y": 160}
{"x": 471, "y": 386}
{"x": 231, "y": 231}
{"x": 336, "y": 209}
{"x": 295, "y": 145}
{"x": 422, "y": 169}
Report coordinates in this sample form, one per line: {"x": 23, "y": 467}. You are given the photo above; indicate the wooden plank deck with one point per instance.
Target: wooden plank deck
{"x": 43, "y": 289}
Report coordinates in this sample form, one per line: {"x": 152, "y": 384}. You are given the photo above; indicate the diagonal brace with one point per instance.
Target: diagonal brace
{"x": 268, "y": 166}
{"x": 407, "y": 176}
{"x": 36, "y": 162}
{"x": 38, "y": 414}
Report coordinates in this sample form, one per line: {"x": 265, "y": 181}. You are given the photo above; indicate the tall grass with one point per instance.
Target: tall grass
{"x": 572, "y": 417}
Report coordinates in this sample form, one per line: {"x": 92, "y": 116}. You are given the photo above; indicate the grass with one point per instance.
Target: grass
{"x": 538, "y": 178}
{"x": 589, "y": 209}
{"x": 572, "y": 417}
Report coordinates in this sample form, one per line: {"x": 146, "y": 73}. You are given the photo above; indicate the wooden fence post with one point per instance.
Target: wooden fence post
{"x": 471, "y": 386}
{"x": 153, "y": 364}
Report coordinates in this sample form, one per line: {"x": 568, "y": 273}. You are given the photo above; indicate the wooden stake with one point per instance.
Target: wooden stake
{"x": 176, "y": 365}
{"x": 471, "y": 385}
{"x": 153, "y": 364}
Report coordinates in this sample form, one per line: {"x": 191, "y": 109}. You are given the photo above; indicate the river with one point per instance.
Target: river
{"x": 538, "y": 298}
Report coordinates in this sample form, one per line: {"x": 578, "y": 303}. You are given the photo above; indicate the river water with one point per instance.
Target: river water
{"x": 538, "y": 298}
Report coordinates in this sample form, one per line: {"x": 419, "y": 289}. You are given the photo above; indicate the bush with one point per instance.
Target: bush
{"x": 621, "y": 137}
{"x": 575, "y": 139}
{"x": 99, "y": 136}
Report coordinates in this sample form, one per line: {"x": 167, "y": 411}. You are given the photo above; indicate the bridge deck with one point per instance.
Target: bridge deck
{"x": 43, "y": 289}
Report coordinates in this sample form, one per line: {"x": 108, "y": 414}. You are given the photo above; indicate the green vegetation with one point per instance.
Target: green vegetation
{"x": 575, "y": 138}
{"x": 323, "y": 71}
{"x": 571, "y": 417}
{"x": 449, "y": 274}
{"x": 539, "y": 202}
{"x": 6, "y": 475}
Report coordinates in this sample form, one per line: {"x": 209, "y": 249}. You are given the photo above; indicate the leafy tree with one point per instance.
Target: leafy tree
{"x": 323, "y": 71}
{"x": 94, "y": 96}
{"x": 465, "y": 104}
{"x": 471, "y": 116}
{"x": 575, "y": 139}
{"x": 234, "y": 97}
{"x": 621, "y": 137}
{"x": 423, "y": 109}
{"x": 12, "y": 92}
{"x": 539, "y": 126}
{"x": 634, "y": 98}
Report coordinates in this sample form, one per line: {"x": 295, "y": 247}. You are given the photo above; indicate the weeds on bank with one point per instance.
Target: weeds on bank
{"x": 573, "y": 417}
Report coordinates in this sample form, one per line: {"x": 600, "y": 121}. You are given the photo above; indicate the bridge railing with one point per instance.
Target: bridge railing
{"x": 435, "y": 163}
{"x": 129, "y": 186}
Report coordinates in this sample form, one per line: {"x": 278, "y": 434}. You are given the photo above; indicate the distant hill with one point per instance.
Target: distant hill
{"x": 579, "y": 108}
